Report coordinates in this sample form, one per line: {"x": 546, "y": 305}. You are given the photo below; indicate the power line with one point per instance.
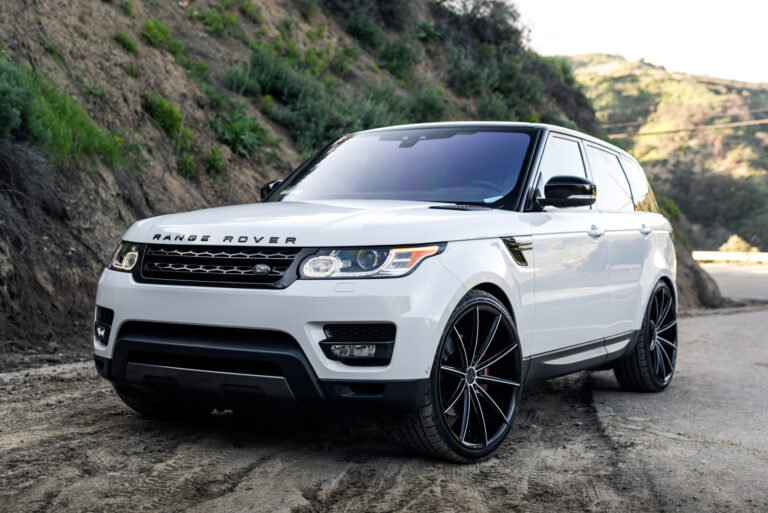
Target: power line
{"x": 724, "y": 114}
{"x": 716, "y": 126}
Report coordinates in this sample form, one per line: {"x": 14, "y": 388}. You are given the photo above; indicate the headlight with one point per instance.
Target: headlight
{"x": 366, "y": 262}
{"x": 125, "y": 257}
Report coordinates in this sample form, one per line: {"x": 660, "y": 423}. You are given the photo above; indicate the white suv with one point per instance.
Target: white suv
{"x": 424, "y": 271}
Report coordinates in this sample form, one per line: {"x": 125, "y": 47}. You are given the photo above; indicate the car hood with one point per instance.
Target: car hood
{"x": 327, "y": 223}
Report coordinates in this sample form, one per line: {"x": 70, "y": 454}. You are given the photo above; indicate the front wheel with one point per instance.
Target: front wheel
{"x": 649, "y": 368}
{"x": 475, "y": 384}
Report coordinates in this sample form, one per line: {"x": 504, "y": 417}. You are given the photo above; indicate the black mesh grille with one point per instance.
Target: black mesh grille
{"x": 216, "y": 265}
{"x": 381, "y": 332}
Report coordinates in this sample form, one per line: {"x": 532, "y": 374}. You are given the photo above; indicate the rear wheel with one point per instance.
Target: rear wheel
{"x": 475, "y": 384}
{"x": 157, "y": 407}
{"x": 649, "y": 368}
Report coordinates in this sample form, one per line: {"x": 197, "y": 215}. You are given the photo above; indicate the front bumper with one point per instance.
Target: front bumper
{"x": 419, "y": 305}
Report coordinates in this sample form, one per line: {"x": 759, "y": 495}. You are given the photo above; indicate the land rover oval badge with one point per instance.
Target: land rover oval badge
{"x": 261, "y": 269}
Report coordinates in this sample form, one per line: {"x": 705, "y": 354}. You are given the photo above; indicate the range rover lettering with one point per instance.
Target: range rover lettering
{"x": 422, "y": 272}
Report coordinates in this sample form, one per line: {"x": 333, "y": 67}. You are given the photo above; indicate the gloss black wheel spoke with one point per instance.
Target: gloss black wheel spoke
{"x": 667, "y": 326}
{"x": 666, "y": 308}
{"x": 488, "y": 339}
{"x": 666, "y": 358}
{"x": 494, "y": 379}
{"x": 495, "y": 358}
{"x": 667, "y": 342}
{"x": 493, "y": 403}
{"x": 456, "y": 395}
{"x": 453, "y": 371}
{"x": 479, "y": 411}
{"x": 465, "y": 416}
{"x": 462, "y": 348}
{"x": 475, "y": 332}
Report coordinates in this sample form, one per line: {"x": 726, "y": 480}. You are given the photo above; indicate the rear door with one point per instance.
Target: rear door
{"x": 571, "y": 258}
{"x": 625, "y": 232}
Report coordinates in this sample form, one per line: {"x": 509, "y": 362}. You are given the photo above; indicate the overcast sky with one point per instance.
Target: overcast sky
{"x": 723, "y": 39}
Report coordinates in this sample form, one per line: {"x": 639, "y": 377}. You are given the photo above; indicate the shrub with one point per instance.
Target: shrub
{"x": 268, "y": 105}
{"x": 156, "y": 34}
{"x": 125, "y": 42}
{"x": 236, "y": 79}
{"x": 31, "y": 108}
{"x": 195, "y": 69}
{"x": 127, "y": 8}
{"x": 343, "y": 60}
{"x": 250, "y": 11}
{"x": 131, "y": 69}
{"x": 176, "y": 48}
{"x": 286, "y": 26}
{"x": 493, "y": 107}
{"x": 244, "y": 135}
{"x": 220, "y": 24}
{"x": 168, "y": 118}
{"x": 426, "y": 104}
{"x": 428, "y": 32}
{"x": 186, "y": 165}
{"x": 398, "y": 57}
{"x": 365, "y": 29}
{"x": 214, "y": 162}
{"x": 316, "y": 34}
{"x": 50, "y": 48}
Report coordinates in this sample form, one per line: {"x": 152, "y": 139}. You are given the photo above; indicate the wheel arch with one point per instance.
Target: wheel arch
{"x": 498, "y": 293}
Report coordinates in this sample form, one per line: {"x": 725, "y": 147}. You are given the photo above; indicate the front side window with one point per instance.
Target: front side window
{"x": 613, "y": 192}
{"x": 456, "y": 165}
{"x": 641, "y": 190}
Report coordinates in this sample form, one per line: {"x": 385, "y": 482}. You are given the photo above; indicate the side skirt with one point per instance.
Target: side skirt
{"x": 589, "y": 355}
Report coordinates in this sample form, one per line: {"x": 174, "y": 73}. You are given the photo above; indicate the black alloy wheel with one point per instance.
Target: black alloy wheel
{"x": 475, "y": 384}
{"x": 650, "y": 367}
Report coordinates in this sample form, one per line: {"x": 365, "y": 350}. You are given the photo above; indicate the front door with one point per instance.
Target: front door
{"x": 571, "y": 255}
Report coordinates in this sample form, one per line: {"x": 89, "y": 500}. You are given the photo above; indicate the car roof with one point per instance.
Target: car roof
{"x": 506, "y": 124}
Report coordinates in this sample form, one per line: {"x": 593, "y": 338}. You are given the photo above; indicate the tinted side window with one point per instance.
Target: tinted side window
{"x": 641, "y": 190}
{"x": 613, "y": 192}
{"x": 561, "y": 157}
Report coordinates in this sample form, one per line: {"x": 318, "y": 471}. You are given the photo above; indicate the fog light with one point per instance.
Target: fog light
{"x": 101, "y": 330}
{"x": 353, "y": 350}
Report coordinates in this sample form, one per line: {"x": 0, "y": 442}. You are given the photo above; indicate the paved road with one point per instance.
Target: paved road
{"x": 578, "y": 444}
{"x": 740, "y": 281}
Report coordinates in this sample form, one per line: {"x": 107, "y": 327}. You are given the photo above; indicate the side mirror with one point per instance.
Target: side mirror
{"x": 268, "y": 187}
{"x": 568, "y": 191}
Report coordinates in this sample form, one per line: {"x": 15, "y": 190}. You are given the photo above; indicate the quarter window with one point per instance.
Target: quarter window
{"x": 613, "y": 191}
{"x": 641, "y": 190}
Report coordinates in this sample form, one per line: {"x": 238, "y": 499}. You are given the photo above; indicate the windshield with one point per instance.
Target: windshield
{"x": 456, "y": 165}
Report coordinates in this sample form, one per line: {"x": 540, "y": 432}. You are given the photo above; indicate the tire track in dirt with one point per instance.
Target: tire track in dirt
{"x": 68, "y": 444}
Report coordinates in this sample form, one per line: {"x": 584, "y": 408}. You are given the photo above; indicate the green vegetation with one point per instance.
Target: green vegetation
{"x": 32, "y": 109}
{"x": 214, "y": 162}
{"x": 236, "y": 79}
{"x": 127, "y": 8}
{"x": 428, "y": 32}
{"x": 131, "y": 69}
{"x": 50, "y": 48}
{"x": 219, "y": 23}
{"x": 168, "y": 118}
{"x": 125, "y": 42}
{"x": 185, "y": 164}
{"x": 365, "y": 30}
{"x": 243, "y": 134}
{"x": 156, "y": 34}
{"x": 250, "y": 11}
{"x": 399, "y": 56}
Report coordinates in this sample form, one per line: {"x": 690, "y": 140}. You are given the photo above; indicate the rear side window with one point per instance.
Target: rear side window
{"x": 613, "y": 191}
{"x": 641, "y": 190}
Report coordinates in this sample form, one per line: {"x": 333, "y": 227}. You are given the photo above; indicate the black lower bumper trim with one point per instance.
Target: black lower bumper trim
{"x": 239, "y": 369}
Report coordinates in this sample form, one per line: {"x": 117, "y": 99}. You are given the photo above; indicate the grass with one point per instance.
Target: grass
{"x": 50, "y": 48}
{"x": 127, "y": 8}
{"x": 131, "y": 69}
{"x": 214, "y": 162}
{"x": 33, "y": 109}
{"x": 156, "y": 34}
{"x": 250, "y": 11}
{"x": 168, "y": 118}
{"x": 185, "y": 163}
{"x": 243, "y": 134}
{"x": 220, "y": 23}
{"x": 236, "y": 79}
{"x": 125, "y": 42}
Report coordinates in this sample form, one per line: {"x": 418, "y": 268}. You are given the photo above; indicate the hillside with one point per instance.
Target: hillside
{"x": 716, "y": 175}
{"x": 111, "y": 111}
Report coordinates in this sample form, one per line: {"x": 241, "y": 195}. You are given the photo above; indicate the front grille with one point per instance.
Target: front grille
{"x": 216, "y": 265}
{"x": 379, "y": 332}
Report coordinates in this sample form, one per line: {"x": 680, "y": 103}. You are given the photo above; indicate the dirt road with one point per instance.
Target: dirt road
{"x": 68, "y": 444}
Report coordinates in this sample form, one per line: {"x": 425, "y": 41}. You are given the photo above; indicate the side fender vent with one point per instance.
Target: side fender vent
{"x": 517, "y": 249}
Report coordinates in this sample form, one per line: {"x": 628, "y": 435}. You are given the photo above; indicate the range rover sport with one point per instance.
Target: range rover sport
{"x": 423, "y": 272}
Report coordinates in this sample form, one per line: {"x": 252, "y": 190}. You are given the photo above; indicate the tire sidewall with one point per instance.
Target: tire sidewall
{"x": 644, "y": 341}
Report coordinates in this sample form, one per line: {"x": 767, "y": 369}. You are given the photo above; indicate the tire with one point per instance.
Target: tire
{"x": 479, "y": 388}
{"x": 156, "y": 408}
{"x": 651, "y": 365}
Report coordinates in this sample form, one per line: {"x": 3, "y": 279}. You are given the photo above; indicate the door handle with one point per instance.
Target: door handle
{"x": 595, "y": 232}
{"x": 646, "y": 230}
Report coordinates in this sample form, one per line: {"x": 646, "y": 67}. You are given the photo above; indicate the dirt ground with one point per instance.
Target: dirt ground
{"x": 68, "y": 444}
